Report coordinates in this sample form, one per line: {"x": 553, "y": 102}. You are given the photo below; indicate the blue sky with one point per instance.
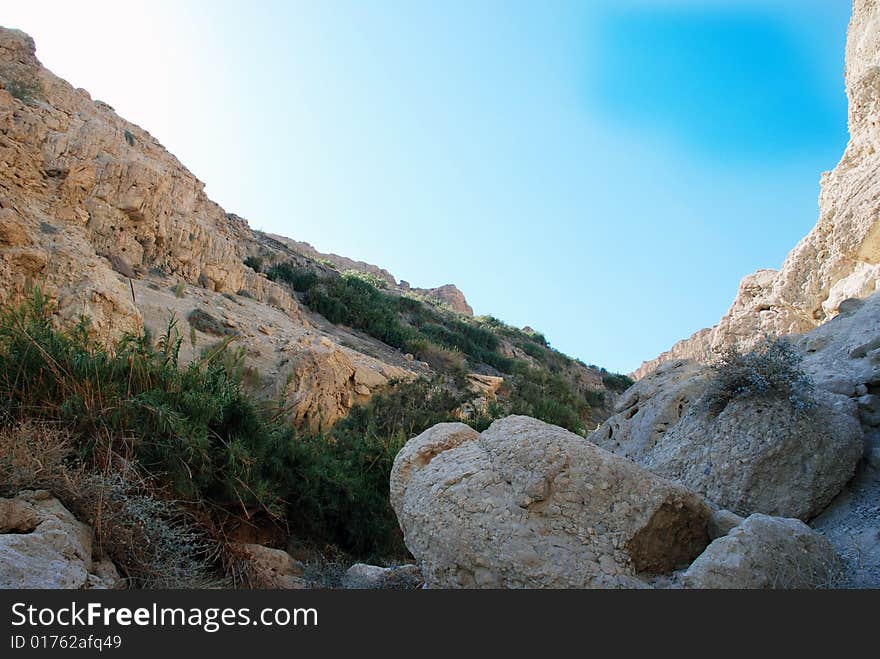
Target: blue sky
{"x": 603, "y": 171}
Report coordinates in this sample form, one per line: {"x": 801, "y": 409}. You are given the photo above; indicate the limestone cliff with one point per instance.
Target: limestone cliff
{"x": 111, "y": 226}
{"x": 840, "y": 258}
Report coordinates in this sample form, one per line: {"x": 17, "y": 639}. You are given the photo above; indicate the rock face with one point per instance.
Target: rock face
{"x": 762, "y": 455}
{"x": 323, "y": 382}
{"x": 112, "y": 226}
{"x": 526, "y": 504}
{"x": 840, "y": 258}
{"x": 771, "y": 461}
{"x": 449, "y": 295}
{"x": 42, "y": 545}
{"x": 81, "y": 187}
{"x": 766, "y": 552}
{"x": 650, "y": 407}
{"x": 758, "y": 454}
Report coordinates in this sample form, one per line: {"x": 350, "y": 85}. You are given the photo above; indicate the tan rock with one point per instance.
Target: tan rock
{"x": 767, "y": 552}
{"x": 68, "y": 159}
{"x": 758, "y": 454}
{"x": 526, "y": 504}
{"x": 42, "y": 545}
{"x": 13, "y": 231}
{"x": 276, "y": 567}
{"x": 840, "y": 258}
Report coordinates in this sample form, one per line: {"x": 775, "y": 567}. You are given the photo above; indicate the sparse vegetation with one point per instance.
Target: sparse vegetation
{"x": 771, "y": 369}
{"x": 204, "y": 322}
{"x": 26, "y": 91}
{"x": 616, "y": 381}
{"x": 255, "y": 263}
{"x": 451, "y": 343}
{"x": 194, "y": 435}
{"x": 180, "y": 289}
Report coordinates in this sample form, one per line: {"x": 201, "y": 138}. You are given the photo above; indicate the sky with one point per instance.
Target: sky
{"x": 605, "y": 172}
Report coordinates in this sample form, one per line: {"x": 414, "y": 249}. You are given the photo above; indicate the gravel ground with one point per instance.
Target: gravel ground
{"x": 852, "y": 524}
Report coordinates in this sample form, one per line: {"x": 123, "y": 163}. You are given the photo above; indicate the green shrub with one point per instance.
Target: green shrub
{"x": 548, "y": 397}
{"x": 194, "y": 426}
{"x": 205, "y": 322}
{"x": 343, "y": 478}
{"x": 255, "y": 263}
{"x": 372, "y": 280}
{"x": 772, "y": 369}
{"x": 300, "y": 279}
{"x": 26, "y": 91}
{"x": 616, "y": 381}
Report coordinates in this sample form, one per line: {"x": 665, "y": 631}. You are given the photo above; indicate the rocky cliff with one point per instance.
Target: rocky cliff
{"x": 113, "y": 227}
{"x": 840, "y": 258}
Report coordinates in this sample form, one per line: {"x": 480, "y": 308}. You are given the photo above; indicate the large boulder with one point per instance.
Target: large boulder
{"x": 763, "y": 454}
{"x": 767, "y": 552}
{"x": 527, "y": 504}
{"x": 274, "y": 568}
{"x": 42, "y": 545}
{"x": 760, "y": 453}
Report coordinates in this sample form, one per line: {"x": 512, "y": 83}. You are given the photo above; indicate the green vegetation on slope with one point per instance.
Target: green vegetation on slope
{"x": 194, "y": 434}
{"x": 541, "y": 382}
{"x": 197, "y": 445}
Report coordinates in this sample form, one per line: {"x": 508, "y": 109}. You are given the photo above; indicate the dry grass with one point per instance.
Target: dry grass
{"x": 155, "y": 543}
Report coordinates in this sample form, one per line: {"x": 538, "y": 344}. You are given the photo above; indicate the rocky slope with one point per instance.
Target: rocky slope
{"x": 840, "y": 258}
{"x": 111, "y": 226}
{"x": 760, "y": 454}
{"x": 448, "y": 294}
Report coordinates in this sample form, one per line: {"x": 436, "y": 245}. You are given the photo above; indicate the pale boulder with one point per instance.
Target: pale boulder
{"x": 275, "y": 567}
{"x": 42, "y": 545}
{"x": 761, "y": 454}
{"x": 527, "y": 504}
{"x": 766, "y": 552}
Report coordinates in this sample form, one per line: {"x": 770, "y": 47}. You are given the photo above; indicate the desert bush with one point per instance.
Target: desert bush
{"x": 205, "y": 322}
{"x": 372, "y": 280}
{"x": 195, "y": 426}
{"x": 149, "y": 540}
{"x": 299, "y": 279}
{"x": 152, "y": 542}
{"x": 33, "y": 456}
{"x": 180, "y": 289}
{"x": 616, "y": 381}
{"x": 343, "y": 478}
{"x": 26, "y": 91}
{"x": 255, "y": 263}
{"x": 773, "y": 368}
{"x": 440, "y": 359}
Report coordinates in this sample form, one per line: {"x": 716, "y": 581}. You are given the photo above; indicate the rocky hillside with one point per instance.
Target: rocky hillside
{"x": 186, "y": 399}
{"x": 840, "y": 258}
{"x": 111, "y": 226}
